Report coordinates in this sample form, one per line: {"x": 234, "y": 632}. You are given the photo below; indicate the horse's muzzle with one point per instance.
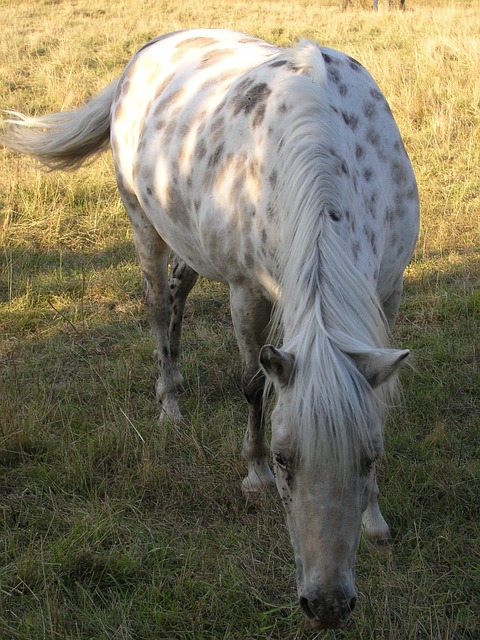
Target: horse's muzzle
{"x": 328, "y": 610}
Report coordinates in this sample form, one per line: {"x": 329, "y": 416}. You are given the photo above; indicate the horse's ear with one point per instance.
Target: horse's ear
{"x": 380, "y": 367}
{"x": 277, "y": 364}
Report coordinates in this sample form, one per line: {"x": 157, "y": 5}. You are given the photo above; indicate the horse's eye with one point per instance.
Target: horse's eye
{"x": 281, "y": 461}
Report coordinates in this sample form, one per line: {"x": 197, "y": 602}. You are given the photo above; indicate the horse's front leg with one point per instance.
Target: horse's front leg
{"x": 377, "y": 532}
{"x": 251, "y": 315}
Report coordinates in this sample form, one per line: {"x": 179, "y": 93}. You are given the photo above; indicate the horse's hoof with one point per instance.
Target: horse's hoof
{"x": 170, "y": 411}
{"x": 384, "y": 545}
{"x": 255, "y": 492}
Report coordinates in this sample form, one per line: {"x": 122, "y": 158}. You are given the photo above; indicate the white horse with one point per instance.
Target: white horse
{"x": 282, "y": 173}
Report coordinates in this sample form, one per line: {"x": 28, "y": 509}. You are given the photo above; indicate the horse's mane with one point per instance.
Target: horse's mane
{"x": 327, "y": 309}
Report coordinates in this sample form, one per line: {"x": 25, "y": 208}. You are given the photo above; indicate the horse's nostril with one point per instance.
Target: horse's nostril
{"x": 327, "y": 611}
{"x": 304, "y": 603}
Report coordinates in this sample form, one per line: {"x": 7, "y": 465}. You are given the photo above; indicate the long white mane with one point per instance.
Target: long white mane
{"x": 327, "y": 308}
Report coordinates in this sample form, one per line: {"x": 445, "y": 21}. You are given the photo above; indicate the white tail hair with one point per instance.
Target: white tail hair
{"x": 63, "y": 140}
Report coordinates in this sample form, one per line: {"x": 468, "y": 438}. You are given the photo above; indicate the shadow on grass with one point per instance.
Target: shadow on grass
{"x": 113, "y": 520}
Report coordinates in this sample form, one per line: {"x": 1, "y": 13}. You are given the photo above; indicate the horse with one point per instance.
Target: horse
{"x": 282, "y": 173}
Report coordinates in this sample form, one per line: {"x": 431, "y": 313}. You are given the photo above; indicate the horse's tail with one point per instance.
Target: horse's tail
{"x": 62, "y": 140}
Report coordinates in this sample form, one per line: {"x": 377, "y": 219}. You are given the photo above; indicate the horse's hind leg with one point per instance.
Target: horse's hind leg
{"x": 251, "y": 315}
{"x": 181, "y": 280}
{"x": 153, "y": 254}
{"x": 391, "y": 303}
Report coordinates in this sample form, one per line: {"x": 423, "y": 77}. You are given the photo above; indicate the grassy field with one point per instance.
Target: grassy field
{"x": 112, "y": 527}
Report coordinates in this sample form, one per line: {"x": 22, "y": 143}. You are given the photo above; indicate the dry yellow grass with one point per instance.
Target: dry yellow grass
{"x": 54, "y": 54}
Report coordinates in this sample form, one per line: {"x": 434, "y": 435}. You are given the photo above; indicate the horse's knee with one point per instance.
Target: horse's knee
{"x": 253, "y": 387}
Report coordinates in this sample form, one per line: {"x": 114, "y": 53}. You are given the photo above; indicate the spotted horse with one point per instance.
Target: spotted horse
{"x": 282, "y": 173}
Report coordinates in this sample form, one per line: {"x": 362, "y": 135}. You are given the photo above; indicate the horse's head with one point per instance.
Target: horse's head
{"x": 324, "y": 498}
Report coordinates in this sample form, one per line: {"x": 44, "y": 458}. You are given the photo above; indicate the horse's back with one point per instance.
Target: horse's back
{"x": 198, "y": 126}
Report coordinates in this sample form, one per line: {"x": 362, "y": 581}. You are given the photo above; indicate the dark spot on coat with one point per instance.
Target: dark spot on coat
{"x": 249, "y": 40}
{"x": 293, "y": 67}
{"x": 216, "y": 130}
{"x": 412, "y": 193}
{"x": 354, "y": 64}
{"x": 125, "y": 86}
{"x": 393, "y": 240}
{"x": 326, "y": 58}
{"x": 245, "y": 84}
{"x": 277, "y": 63}
{"x": 372, "y": 204}
{"x": 398, "y": 173}
{"x": 259, "y": 115}
{"x": 147, "y": 174}
{"x": 399, "y": 147}
{"x": 149, "y": 191}
{"x": 370, "y": 110}
{"x": 359, "y": 151}
{"x": 212, "y": 57}
{"x": 175, "y": 206}
{"x": 370, "y": 233}
{"x": 334, "y": 75}
{"x": 163, "y": 85}
{"x": 355, "y": 250}
{"x": 248, "y": 101}
{"x": 216, "y": 155}
{"x": 200, "y": 150}
{"x": 191, "y": 44}
{"x": 168, "y": 101}
{"x": 350, "y": 120}
{"x": 342, "y": 89}
{"x": 355, "y": 182}
{"x": 273, "y": 178}
{"x": 249, "y": 260}
{"x": 334, "y": 215}
{"x": 344, "y": 167}
{"x": 373, "y": 137}
{"x": 376, "y": 95}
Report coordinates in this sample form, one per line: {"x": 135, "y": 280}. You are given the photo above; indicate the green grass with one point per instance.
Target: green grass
{"x": 113, "y": 526}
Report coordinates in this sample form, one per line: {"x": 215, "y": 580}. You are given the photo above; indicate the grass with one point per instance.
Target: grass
{"x": 114, "y": 527}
